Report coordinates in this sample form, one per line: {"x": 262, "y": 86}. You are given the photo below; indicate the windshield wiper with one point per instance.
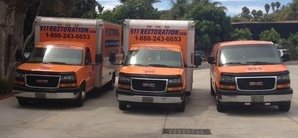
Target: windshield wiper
{"x": 233, "y": 63}
{"x": 55, "y": 62}
{"x": 257, "y": 63}
{"x": 34, "y": 61}
{"x": 158, "y": 65}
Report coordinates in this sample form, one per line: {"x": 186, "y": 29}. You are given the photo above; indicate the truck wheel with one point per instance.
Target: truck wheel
{"x": 284, "y": 107}
{"x": 110, "y": 84}
{"x": 23, "y": 102}
{"x": 181, "y": 107}
{"x": 81, "y": 98}
{"x": 211, "y": 89}
{"x": 122, "y": 106}
{"x": 220, "y": 107}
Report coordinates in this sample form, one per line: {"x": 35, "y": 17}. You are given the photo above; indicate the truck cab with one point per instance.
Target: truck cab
{"x": 69, "y": 59}
{"x": 159, "y": 63}
{"x": 249, "y": 73}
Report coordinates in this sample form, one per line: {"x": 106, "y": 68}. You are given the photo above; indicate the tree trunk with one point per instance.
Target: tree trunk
{"x": 7, "y": 12}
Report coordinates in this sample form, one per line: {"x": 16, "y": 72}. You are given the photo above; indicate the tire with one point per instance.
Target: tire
{"x": 181, "y": 107}
{"x": 220, "y": 107}
{"x": 111, "y": 84}
{"x": 122, "y": 106}
{"x": 284, "y": 107}
{"x": 79, "y": 102}
{"x": 188, "y": 93}
{"x": 211, "y": 89}
{"x": 23, "y": 102}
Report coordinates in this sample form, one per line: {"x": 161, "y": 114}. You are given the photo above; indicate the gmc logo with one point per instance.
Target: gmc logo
{"x": 151, "y": 85}
{"x": 42, "y": 81}
{"x": 256, "y": 83}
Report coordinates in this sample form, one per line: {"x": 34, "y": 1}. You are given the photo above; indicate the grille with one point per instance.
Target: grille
{"x": 256, "y": 83}
{"x": 149, "y": 85}
{"x": 42, "y": 81}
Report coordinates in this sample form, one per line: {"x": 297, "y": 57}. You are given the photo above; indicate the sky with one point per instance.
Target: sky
{"x": 234, "y": 6}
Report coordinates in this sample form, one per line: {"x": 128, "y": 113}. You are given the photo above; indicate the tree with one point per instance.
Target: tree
{"x": 270, "y": 35}
{"x": 259, "y": 14}
{"x": 292, "y": 45}
{"x": 294, "y": 10}
{"x": 241, "y": 34}
{"x": 179, "y": 9}
{"x": 245, "y": 14}
{"x": 210, "y": 28}
{"x": 254, "y": 14}
{"x": 273, "y": 6}
{"x": 277, "y": 4}
{"x": 13, "y": 13}
{"x": 267, "y": 8}
{"x": 133, "y": 9}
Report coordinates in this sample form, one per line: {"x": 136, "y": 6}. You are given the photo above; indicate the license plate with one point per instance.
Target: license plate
{"x": 147, "y": 99}
{"x": 40, "y": 95}
{"x": 257, "y": 98}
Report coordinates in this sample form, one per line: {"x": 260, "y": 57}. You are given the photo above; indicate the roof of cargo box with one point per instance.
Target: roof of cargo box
{"x": 77, "y": 22}
{"x": 162, "y": 24}
{"x": 244, "y": 43}
{"x": 62, "y": 44}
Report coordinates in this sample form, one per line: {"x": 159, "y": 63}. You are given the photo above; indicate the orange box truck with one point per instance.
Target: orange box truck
{"x": 70, "y": 58}
{"x": 158, "y": 68}
{"x": 249, "y": 73}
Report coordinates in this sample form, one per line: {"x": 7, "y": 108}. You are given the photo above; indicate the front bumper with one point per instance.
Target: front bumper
{"x": 65, "y": 93}
{"x": 256, "y": 97}
{"x": 130, "y": 97}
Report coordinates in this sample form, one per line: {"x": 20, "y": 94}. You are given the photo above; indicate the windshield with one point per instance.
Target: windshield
{"x": 157, "y": 58}
{"x": 56, "y": 56}
{"x": 265, "y": 54}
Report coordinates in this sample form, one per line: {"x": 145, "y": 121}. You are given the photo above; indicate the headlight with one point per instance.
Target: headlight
{"x": 175, "y": 81}
{"x": 68, "y": 78}
{"x": 227, "y": 79}
{"x": 123, "y": 79}
{"x": 19, "y": 75}
{"x": 284, "y": 77}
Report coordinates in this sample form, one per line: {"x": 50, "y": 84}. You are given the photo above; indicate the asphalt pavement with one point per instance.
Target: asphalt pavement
{"x": 101, "y": 118}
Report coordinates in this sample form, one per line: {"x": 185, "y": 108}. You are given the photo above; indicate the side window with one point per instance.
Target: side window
{"x": 88, "y": 59}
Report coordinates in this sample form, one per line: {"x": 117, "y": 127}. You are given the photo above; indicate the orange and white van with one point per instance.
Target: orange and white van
{"x": 70, "y": 58}
{"x": 249, "y": 73}
{"x": 158, "y": 64}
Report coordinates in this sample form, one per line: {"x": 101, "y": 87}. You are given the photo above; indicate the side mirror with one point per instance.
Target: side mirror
{"x": 211, "y": 60}
{"x": 19, "y": 55}
{"x": 98, "y": 58}
{"x": 198, "y": 60}
{"x": 112, "y": 57}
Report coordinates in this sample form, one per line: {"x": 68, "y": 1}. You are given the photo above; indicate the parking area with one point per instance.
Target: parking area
{"x": 100, "y": 117}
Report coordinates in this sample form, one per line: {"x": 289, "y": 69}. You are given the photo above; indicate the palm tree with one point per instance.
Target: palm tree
{"x": 267, "y": 8}
{"x": 273, "y": 6}
{"x": 179, "y": 8}
{"x": 277, "y": 4}
{"x": 254, "y": 14}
